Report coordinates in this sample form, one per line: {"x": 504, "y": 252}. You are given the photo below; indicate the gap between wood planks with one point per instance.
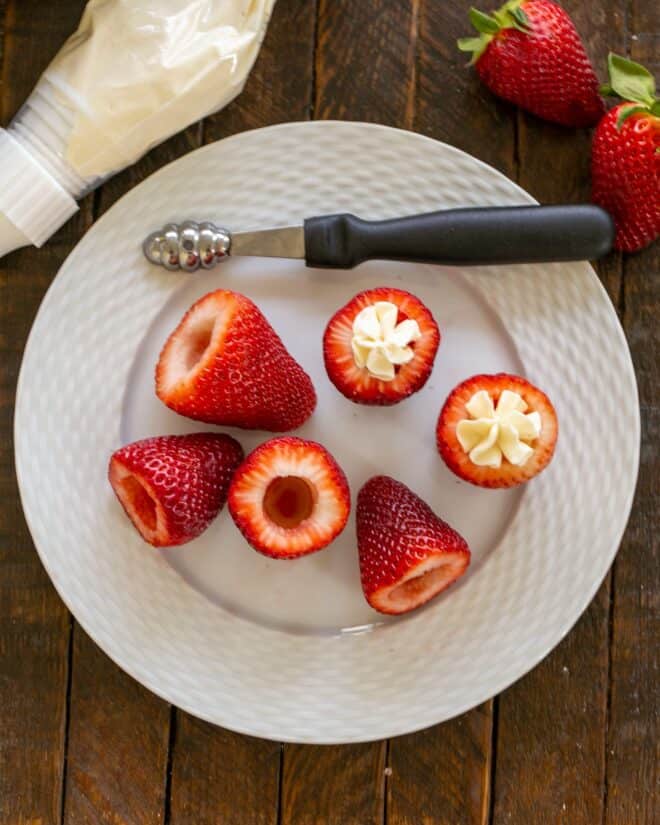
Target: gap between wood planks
{"x": 3, "y": 22}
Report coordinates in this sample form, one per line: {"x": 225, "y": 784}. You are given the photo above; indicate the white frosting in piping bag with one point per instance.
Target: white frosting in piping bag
{"x": 134, "y": 73}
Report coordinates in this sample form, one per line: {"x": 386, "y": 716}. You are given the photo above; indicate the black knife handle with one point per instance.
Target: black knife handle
{"x": 488, "y": 235}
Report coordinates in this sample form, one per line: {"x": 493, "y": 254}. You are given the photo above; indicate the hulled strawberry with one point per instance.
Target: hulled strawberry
{"x": 497, "y": 430}
{"x": 529, "y": 53}
{"x": 379, "y": 348}
{"x": 407, "y": 554}
{"x": 225, "y": 364}
{"x": 625, "y": 156}
{"x": 173, "y": 486}
{"x": 289, "y": 498}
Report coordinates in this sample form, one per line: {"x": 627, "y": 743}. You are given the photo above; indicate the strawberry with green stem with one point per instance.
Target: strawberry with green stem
{"x": 529, "y": 53}
{"x": 625, "y": 155}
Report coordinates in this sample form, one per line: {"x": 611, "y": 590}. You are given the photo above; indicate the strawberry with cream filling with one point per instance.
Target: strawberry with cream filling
{"x": 380, "y": 347}
{"x": 497, "y": 430}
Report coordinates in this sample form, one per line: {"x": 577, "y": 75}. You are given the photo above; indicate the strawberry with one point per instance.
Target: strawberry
{"x": 530, "y": 54}
{"x": 225, "y": 364}
{"x": 289, "y": 498}
{"x": 407, "y": 554}
{"x": 625, "y": 156}
{"x": 497, "y": 430}
{"x": 379, "y": 348}
{"x": 173, "y": 486}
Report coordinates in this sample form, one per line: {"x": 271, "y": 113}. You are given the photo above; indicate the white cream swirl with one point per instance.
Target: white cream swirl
{"x": 492, "y": 432}
{"x": 379, "y": 343}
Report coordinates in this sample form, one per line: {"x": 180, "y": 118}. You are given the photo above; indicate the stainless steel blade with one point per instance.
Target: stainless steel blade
{"x": 285, "y": 242}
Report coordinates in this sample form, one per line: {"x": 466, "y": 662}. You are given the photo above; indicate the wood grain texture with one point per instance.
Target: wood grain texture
{"x": 550, "y": 745}
{"x": 645, "y": 49}
{"x": 117, "y": 744}
{"x": 34, "y": 624}
{"x": 451, "y": 104}
{"x": 441, "y": 776}
{"x": 222, "y": 777}
{"x": 550, "y": 762}
{"x": 633, "y": 741}
{"x": 644, "y": 17}
{"x": 34, "y": 32}
{"x": 365, "y": 62}
{"x": 334, "y": 785}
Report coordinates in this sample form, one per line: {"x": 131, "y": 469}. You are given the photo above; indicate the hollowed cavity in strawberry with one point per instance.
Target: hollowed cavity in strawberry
{"x": 197, "y": 343}
{"x": 140, "y": 502}
{"x": 289, "y": 500}
{"x": 194, "y": 342}
{"x": 424, "y": 582}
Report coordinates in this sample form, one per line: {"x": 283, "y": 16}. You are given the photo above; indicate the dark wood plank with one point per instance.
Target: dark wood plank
{"x": 34, "y": 624}
{"x": 645, "y": 48}
{"x": 452, "y": 105}
{"x": 644, "y": 17}
{"x": 34, "y": 33}
{"x": 633, "y": 758}
{"x": 335, "y": 785}
{"x": 633, "y": 766}
{"x": 550, "y": 748}
{"x": 365, "y": 60}
{"x": 442, "y": 775}
{"x": 550, "y": 744}
{"x": 3, "y": 12}
{"x": 117, "y": 746}
{"x": 220, "y": 776}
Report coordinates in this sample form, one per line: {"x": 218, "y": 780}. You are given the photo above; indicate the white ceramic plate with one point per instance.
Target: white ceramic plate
{"x": 290, "y": 650}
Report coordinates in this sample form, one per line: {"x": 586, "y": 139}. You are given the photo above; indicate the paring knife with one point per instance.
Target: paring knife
{"x": 489, "y": 235}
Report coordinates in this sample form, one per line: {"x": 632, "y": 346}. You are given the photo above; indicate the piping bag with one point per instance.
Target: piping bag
{"x": 133, "y": 74}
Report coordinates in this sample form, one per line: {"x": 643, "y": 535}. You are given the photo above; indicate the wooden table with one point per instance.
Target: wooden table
{"x": 576, "y": 740}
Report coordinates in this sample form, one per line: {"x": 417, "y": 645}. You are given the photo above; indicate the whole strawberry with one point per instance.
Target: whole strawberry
{"x": 625, "y": 156}
{"x": 529, "y": 53}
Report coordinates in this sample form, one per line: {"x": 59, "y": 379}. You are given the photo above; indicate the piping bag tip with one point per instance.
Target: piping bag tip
{"x": 11, "y": 238}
